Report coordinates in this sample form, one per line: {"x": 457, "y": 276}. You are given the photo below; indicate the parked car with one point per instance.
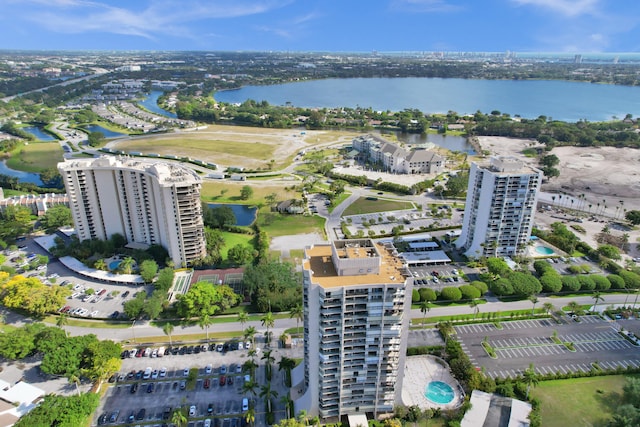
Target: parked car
{"x": 192, "y": 410}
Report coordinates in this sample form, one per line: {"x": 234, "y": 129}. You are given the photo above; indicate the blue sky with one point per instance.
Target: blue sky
{"x": 323, "y": 25}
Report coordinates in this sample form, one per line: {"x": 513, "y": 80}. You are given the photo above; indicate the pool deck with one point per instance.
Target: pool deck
{"x": 420, "y": 371}
{"x": 533, "y": 253}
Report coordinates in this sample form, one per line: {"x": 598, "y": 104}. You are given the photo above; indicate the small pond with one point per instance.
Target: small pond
{"x": 39, "y": 133}
{"x": 245, "y": 215}
{"x": 106, "y": 132}
{"x": 31, "y": 177}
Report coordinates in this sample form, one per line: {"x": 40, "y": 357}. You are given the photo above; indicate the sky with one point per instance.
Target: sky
{"x": 580, "y": 26}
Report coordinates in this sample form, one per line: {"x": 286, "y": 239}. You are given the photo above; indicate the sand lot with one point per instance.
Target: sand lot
{"x": 600, "y": 173}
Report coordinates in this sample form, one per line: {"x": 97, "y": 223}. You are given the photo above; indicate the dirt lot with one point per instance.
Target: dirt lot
{"x": 600, "y": 173}
{"x": 236, "y": 146}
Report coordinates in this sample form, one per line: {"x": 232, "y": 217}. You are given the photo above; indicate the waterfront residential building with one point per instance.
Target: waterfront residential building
{"x": 355, "y": 293}
{"x": 501, "y": 203}
{"x": 396, "y": 159}
{"x": 146, "y": 201}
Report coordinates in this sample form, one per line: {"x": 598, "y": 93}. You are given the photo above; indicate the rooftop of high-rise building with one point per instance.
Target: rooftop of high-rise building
{"x": 508, "y": 164}
{"x": 353, "y": 262}
{"x": 165, "y": 172}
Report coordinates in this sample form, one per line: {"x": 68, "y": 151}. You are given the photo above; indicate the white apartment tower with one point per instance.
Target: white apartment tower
{"x": 501, "y": 203}
{"x": 147, "y": 201}
{"x": 355, "y": 293}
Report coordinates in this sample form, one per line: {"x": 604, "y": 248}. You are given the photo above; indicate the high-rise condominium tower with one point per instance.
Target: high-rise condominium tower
{"x": 147, "y": 201}
{"x": 501, "y": 202}
{"x": 355, "y": 296}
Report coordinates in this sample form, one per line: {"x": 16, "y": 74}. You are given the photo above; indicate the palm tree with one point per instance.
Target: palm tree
{"x": 249, "y": 387}
{"x": 243, "y": 317}
{"x": 252, "y": 353}
{"x": 534, "y": 301}
{"x": 75, "y": 378}
{"x": 303, "y": 417}
{"x": 267, "y": 394}
{"x": 285, "y": 399}
{"x": 126, "y": 265}
{"x": 424, "y": 309}
{"x": 574, "y": 307}
{"x": 250, "y": 333}
{"x": 530, "y": 378}
{"x": 596, "y": 297}
{"x": 179, "y": 419}
{"x": 100, "y": 264}
{"x": 298, "y": 312}
{"x": 167, "y": 328}
{"x": 250, "y": 416}
{"x": 475, "y": 305}
{"x": 286, "y": 364}
{"x": 63, "y": 320}
{"x": 269, "y": 359}
{"x": 268, "y": 321}
{"x": 548, "y": 307}
{"x": 204, "y": 323}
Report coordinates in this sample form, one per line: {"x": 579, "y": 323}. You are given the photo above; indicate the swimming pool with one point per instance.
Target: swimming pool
{"x": 439, "y": 392}
{"x": 113, "y": 265}
{"x": 544, "y": 250}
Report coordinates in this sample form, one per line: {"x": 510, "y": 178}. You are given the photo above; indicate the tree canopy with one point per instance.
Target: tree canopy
{"x": 30, "y": 294}
{"x": 206, "y": 299}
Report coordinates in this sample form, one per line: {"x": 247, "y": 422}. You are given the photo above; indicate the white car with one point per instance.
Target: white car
{"x": 163, "y": 372}
{"x": 192, "y": 411}
{"x": 247, "y": 345}
{"x": 208, "y": 369}
{"x": 154, "y": 374}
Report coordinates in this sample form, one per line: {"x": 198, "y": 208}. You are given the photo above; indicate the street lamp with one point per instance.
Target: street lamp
{"x": 133, "y": 331}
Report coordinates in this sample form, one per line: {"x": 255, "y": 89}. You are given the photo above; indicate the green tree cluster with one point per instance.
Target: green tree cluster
{"x": 206, "y": 299}
{"x": 30, "y": 294}
{"x": 61, "y": 411}
{"x": 273, "y": 285}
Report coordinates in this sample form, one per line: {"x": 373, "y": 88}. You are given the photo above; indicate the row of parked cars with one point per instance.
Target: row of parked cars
{"x": 185, "y": 349}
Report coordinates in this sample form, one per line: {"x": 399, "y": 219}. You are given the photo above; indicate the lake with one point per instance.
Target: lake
{"x": 151, "y": 104}
{"x": 245, "y": 215}
{"x": 106, "y": 132}
{"x": 39, "y": 133}
{"x": 561, "y": 100}
{"x": 33, "y": 178}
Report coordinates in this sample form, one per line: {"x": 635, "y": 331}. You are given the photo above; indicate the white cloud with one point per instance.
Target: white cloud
{"x": 565, "y": 7}
{"x": 425, "y": 6}
{"x": 146, "y": 19}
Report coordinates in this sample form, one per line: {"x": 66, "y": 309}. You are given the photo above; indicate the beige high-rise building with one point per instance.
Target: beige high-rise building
{"x": 501, "y": 203}
{"x": 356, "y": 297}
{"x": 147, "y": 201}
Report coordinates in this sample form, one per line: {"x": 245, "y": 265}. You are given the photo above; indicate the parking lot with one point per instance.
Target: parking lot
{"x": 522, "y": 342}
{"x": 102, "y": 301}
{"x": 214, "y": 398}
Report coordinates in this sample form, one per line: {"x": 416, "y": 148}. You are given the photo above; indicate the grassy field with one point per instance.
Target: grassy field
{"x": 285, "y": 225}
{"x": 35, "y": 157}
{"x": 229, "y": 192}
{"x": 579, "y": 402}
{"x": 232, "y": 239}
{"x": 365, "y": 206}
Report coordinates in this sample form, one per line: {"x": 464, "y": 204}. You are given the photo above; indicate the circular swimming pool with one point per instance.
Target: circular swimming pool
{"x": 544, "y": 250}
{"x": 439, "y": 392}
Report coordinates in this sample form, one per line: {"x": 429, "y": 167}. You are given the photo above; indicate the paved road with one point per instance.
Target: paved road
{"x": 144, "y": 329}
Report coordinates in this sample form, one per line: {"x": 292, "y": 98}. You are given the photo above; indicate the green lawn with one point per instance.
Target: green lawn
{"x": 232, "y": 239}
{"x": 229, "y": 192}
{"x": 577, "y": 402}
{"x": 285, "y": 225}
{"x": 365, "y": 206}
{"x": 35, "y": 157}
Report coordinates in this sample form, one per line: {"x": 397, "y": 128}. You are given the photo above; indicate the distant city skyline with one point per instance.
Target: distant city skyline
{"x": 580, "y": 26}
